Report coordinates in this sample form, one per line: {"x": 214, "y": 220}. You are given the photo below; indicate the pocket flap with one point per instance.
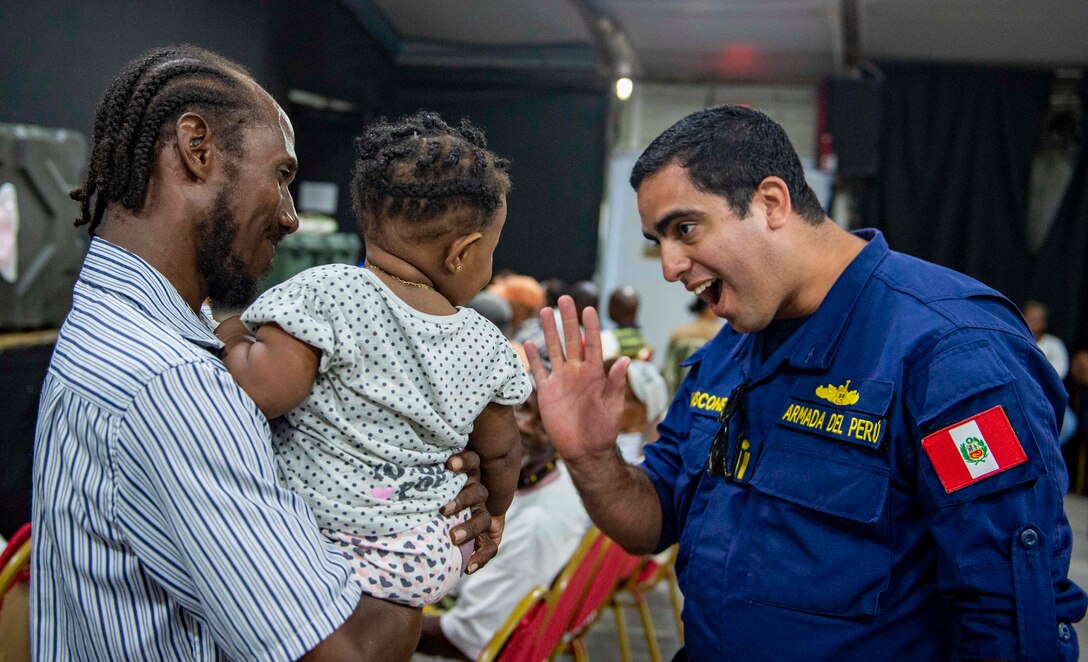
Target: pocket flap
{"x": 822, "y": 482}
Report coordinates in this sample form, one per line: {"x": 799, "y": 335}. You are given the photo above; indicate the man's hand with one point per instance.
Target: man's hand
{"x": 579, "y": 404}
{"x": 581, "y": 408}
{"x": 474, "y": 497}
{"x": 494, "y": 532}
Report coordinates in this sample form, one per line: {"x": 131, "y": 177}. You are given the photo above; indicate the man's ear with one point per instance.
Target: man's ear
{"x": 774, "y": 196}
{"x": 458, "y": 250}
{"x": 195, "y": 145}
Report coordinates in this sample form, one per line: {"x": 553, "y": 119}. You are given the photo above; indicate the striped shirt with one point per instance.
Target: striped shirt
{"x": 160, "y": 529}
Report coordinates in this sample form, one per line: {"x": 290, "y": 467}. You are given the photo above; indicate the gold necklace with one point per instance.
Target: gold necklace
{"x": 410, "y": 283}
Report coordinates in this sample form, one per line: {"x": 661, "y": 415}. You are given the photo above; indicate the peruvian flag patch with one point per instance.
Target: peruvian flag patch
{"x": 973, "y": 449}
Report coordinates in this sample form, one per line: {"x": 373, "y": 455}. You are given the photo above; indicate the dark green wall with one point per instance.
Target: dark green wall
{"x": 554, "y": 134}
{"x": 59, "y": 56}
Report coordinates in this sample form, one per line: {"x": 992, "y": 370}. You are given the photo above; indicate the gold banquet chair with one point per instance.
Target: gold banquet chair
{"x": 653, "y": 570}
{"x": 15, "y": 598}
{"x": 520, "y": 629}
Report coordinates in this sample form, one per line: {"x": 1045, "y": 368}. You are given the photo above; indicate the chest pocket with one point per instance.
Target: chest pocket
{"x": 817, "y": 539}
{"x": 705, "y": 404}
{"x": 697, "y": 447}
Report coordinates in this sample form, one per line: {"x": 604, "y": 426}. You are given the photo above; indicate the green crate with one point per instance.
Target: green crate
{"x": 300, "y": 251}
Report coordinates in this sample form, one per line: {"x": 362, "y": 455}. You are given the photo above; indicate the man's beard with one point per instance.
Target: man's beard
{"x": 225, "y": 275}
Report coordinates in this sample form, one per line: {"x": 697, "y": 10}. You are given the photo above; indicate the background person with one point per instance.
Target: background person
{"x": 645, "y": 399}
{"x": 497, "y": 310}
{"x": 494, "y": 309}
{"x": 526, "y": 297}
{"x": 585, "y": 293}
{"x": 1036, "y": 314}
{"x": 625, "y": 338}
{"x": 686, "y": 339}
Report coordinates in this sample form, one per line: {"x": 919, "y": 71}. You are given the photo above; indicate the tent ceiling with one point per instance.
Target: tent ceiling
{"x": 730, "y": 40}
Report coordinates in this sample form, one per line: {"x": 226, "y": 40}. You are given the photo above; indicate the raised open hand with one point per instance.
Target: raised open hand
{"x": 579, "y": 403}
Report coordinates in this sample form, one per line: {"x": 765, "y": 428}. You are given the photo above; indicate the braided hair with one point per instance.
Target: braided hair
{"x": 430, "y": 176}
{"x": 148, "y": 95}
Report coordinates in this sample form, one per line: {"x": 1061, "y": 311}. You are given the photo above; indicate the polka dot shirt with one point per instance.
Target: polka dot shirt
{"x": 396, "y": 394}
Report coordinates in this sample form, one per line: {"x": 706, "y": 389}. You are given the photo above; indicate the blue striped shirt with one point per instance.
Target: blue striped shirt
{"x": 160, "y": 529}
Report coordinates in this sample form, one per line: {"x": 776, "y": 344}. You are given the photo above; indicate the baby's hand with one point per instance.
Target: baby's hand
{"x": 232, "y": 328}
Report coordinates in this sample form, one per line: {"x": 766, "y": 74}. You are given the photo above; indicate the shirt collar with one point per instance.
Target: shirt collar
{"x": 813, "y": 346}
{"x": 114, "y": 269}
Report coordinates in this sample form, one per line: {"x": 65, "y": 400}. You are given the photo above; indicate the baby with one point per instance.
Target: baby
{"x": 377, "y": 374}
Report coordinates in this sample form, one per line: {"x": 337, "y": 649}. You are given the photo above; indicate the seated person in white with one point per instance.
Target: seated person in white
{"x": 1052, "y": 347}
{"x": 645, "y": 400}
{"x": 1036, "y": 314}
{"x": 544, "y": 525}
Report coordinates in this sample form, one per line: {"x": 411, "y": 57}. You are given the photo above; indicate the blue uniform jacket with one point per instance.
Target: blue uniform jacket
{"x": 837, "y": 540}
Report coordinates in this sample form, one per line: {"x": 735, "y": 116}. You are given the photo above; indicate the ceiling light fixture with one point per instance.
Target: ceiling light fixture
{"x": 624, "y": 88}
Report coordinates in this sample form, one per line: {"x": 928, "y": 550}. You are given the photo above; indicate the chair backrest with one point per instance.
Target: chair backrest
{"x": 616, "y": 566}
{"x": 519, "y": 631}
{"x": 655, "y": 568}
{"x": 14, "y": 598}
{"x": 17, "y": 563}
{"x": 567, "y": 592}
{"x": 14, "y": 560}
{"x": 14, "y": 543}
{"x": 521, "y": 642}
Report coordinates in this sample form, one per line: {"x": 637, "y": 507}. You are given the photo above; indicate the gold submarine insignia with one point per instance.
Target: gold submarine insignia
{"x": 839, "y": 395}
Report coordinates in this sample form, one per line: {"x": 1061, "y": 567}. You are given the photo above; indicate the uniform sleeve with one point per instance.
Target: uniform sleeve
{"x": 199, "y": 502}
{"x": 1003, "y": 539}
{"x": 302, "y": 306}
{"x": 664, "y": 463}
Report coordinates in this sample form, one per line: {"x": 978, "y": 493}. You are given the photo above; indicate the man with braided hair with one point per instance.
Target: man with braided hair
{"x": 161, "y": 530}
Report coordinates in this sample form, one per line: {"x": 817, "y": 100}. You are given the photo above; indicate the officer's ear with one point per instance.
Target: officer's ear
{"x": 773, "y": 195}
{"x": 195, "y": 146}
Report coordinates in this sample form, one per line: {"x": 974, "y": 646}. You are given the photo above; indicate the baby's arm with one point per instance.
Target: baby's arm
{"x": 496, "y": 440}
{"x": 276, "y": 369}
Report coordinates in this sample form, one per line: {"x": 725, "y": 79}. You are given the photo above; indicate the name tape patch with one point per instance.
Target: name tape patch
{"x": 847, "y": 426}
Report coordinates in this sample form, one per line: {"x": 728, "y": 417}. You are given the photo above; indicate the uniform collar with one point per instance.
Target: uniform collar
{"x": 813, "y": 346}
{"x": 818, "y": 339}
{"x": 113, "y": 269}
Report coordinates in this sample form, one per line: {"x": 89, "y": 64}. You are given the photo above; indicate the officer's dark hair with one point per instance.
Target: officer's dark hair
{"x": 148, "y": 96}
{"x": 424, "y": 173}
{"x": 728, "y": 151}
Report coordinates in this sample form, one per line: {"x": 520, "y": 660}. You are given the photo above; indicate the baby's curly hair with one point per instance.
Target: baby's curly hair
{"x": 428, "y": 175}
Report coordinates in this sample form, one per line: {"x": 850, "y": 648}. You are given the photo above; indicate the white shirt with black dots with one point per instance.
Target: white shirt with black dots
{"x": 396, "y": 394}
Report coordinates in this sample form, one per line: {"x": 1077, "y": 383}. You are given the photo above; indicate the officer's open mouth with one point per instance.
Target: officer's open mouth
{"x": 710, "y": 291}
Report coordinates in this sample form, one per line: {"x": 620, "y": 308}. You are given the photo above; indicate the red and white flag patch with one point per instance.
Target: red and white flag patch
{"x": 974, "y": 449}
